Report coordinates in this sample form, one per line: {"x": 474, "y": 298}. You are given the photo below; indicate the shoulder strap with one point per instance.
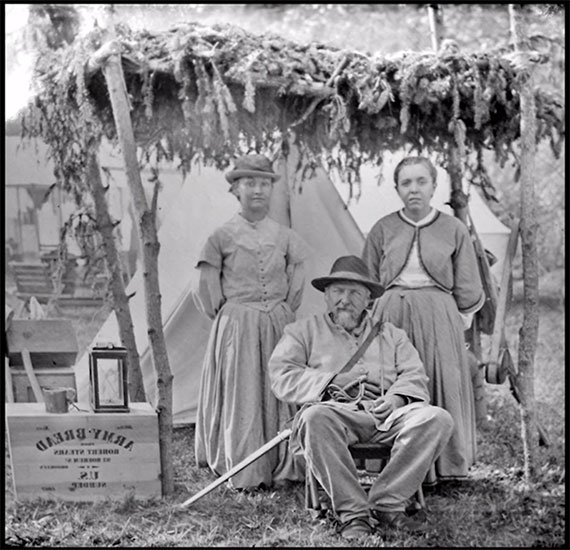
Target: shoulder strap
{"x": 360, "y": 351}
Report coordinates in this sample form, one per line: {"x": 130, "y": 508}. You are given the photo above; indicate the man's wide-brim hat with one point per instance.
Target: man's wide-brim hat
{"x": 349, "y": 268}
{"x": 252, "y": 166}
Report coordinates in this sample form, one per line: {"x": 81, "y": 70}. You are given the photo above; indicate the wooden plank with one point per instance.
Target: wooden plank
{"x": 35, "y": 279}
{"x": 80, "y": 301}
{"x": 35, "y": 269}
{"x": 81, "y": 455}
{"x": 64, "y": 300}
{"x": 51, "y": 342}
{"x": 32, "y": 376}
{"x": 39, "y": 274}
{"x": 25, "y": 281}
{"x": 8, "y": 379}
{"x": 33, "y": 290}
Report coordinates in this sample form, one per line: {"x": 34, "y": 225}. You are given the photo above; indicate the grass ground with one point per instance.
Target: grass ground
{"x": 494, "y": 508}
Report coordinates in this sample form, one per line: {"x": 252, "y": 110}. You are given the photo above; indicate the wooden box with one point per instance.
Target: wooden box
{"x": 47, "y": 378}
{"x": 81, "y": 455}
{"x": 51, "y": 342}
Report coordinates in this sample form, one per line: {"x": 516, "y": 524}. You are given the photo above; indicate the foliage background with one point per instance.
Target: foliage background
{"x": 391, "y": 28}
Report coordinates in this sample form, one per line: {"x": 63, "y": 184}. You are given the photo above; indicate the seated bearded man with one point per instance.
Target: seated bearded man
{"x": 391, "y": 404}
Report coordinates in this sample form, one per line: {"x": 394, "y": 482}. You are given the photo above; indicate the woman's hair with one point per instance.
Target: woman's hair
{"x": 233, "y": 188}
{"x": 409, "y": 161}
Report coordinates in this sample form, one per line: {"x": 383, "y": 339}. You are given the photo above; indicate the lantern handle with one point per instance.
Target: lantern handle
{"x": 106, "y": 345}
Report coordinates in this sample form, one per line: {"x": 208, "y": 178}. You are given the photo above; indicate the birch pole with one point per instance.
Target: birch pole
{"x": 458, "y": 199}
{"x": 458, "y": 202}
{"x": 116, "y": 284}
{"x": 435, "y": 25}
{"x": 528, "y": 334}
{"x": 109, "y": 58}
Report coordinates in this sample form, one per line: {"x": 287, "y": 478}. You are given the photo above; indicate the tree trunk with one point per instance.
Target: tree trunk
{"x": 458, "y": 201}
{"x": 108, "y": 57}
{"x": 458, "y": 198}
{"x": 116, "y": 285}
{"x": 528, "y": 334}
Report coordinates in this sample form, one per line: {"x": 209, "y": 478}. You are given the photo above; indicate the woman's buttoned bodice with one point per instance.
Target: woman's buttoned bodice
{"x": 253, "y": 258}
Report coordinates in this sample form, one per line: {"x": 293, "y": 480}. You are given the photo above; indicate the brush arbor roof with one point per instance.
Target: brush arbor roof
{"x": 206, "y": 94}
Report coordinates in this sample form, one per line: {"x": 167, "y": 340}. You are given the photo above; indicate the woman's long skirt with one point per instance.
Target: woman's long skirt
{"x": 431, "y": 320}
{"x": 237, "y": 411}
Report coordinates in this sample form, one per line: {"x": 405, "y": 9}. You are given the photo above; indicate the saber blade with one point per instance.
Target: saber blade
{"x": 281, "y": 436}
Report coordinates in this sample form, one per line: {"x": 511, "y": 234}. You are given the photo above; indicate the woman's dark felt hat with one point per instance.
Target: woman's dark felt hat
{"x": 251, "y": 166}
{"x": 349, "y": 268}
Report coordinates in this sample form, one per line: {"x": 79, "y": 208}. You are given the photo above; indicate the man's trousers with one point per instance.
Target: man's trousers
{"x": 417, "y": 434}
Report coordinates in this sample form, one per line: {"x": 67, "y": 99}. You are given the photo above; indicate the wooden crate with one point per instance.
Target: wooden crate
{"x": 47, "y": 378}
{"x": 51, "y": 342}
{"x": 81, "y": 455}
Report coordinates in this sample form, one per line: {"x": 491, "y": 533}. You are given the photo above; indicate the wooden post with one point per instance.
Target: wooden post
{"x": 435, "y": 16}
{"x": 458, "y": 201}
{"x": 116, "y": 284}
{"x": 114, "y": 78}
{"x": 32, "y": 376}
{"x": 8, "y": 380}
{"x": 528, "y": 334}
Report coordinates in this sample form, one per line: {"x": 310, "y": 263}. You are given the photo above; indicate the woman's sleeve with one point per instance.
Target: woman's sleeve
{"x": 297, "y": 253}
{"x": 209, "y": 298}
{"x": 467, "y": 288}
{"x": 372, "y": 253}
{"x": 297, "y": 249}
{"x": 211, "y": 252}
{"x": 296, "y": 279}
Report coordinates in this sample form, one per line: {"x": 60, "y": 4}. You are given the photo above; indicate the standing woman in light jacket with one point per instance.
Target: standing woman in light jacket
{"x": 251, "y": 283}
{"x": 426, "y": 261}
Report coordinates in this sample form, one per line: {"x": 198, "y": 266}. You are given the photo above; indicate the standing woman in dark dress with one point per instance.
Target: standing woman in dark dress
{"x": 426, "y": 261}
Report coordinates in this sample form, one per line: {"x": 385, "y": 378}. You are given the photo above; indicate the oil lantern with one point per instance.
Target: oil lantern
{"x": 108, "y": 388}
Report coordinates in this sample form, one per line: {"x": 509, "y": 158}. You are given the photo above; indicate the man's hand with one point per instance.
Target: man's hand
{"x": 387, "y": 404}
{"x": 345, "y": 379}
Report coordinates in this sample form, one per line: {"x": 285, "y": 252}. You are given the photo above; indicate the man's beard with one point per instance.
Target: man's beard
{"x": 346, "y": 319}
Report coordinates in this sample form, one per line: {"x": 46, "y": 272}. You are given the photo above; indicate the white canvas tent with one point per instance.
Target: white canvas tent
{"x": 318, "y": 214}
